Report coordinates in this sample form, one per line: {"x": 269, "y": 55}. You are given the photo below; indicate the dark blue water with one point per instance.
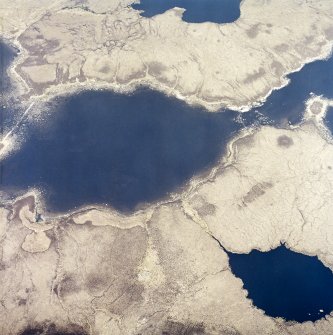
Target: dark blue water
{"x": 196, "y": 11}
{"x": 122, "y": 150}
{"x": 288, "y": 103}
{"x": 285, "y": 284}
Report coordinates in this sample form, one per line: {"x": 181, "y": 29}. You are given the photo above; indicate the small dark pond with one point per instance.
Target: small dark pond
{"x": 196, "y": 11}
{"x": 123, "y": 150}
{"x": 285, "y": 284}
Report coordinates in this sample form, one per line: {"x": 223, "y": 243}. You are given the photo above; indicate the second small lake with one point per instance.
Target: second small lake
{"x": 285, "y": 284}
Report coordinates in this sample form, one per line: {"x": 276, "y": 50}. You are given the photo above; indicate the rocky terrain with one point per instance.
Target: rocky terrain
{"x": 66, "y": 46}
{"x": 165, "y": 270}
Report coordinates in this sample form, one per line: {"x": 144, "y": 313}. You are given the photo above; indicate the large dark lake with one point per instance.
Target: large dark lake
{"x": 123, "y": 150}
{"x": 286, "y": 284}
{"x": 196, "y": 11}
